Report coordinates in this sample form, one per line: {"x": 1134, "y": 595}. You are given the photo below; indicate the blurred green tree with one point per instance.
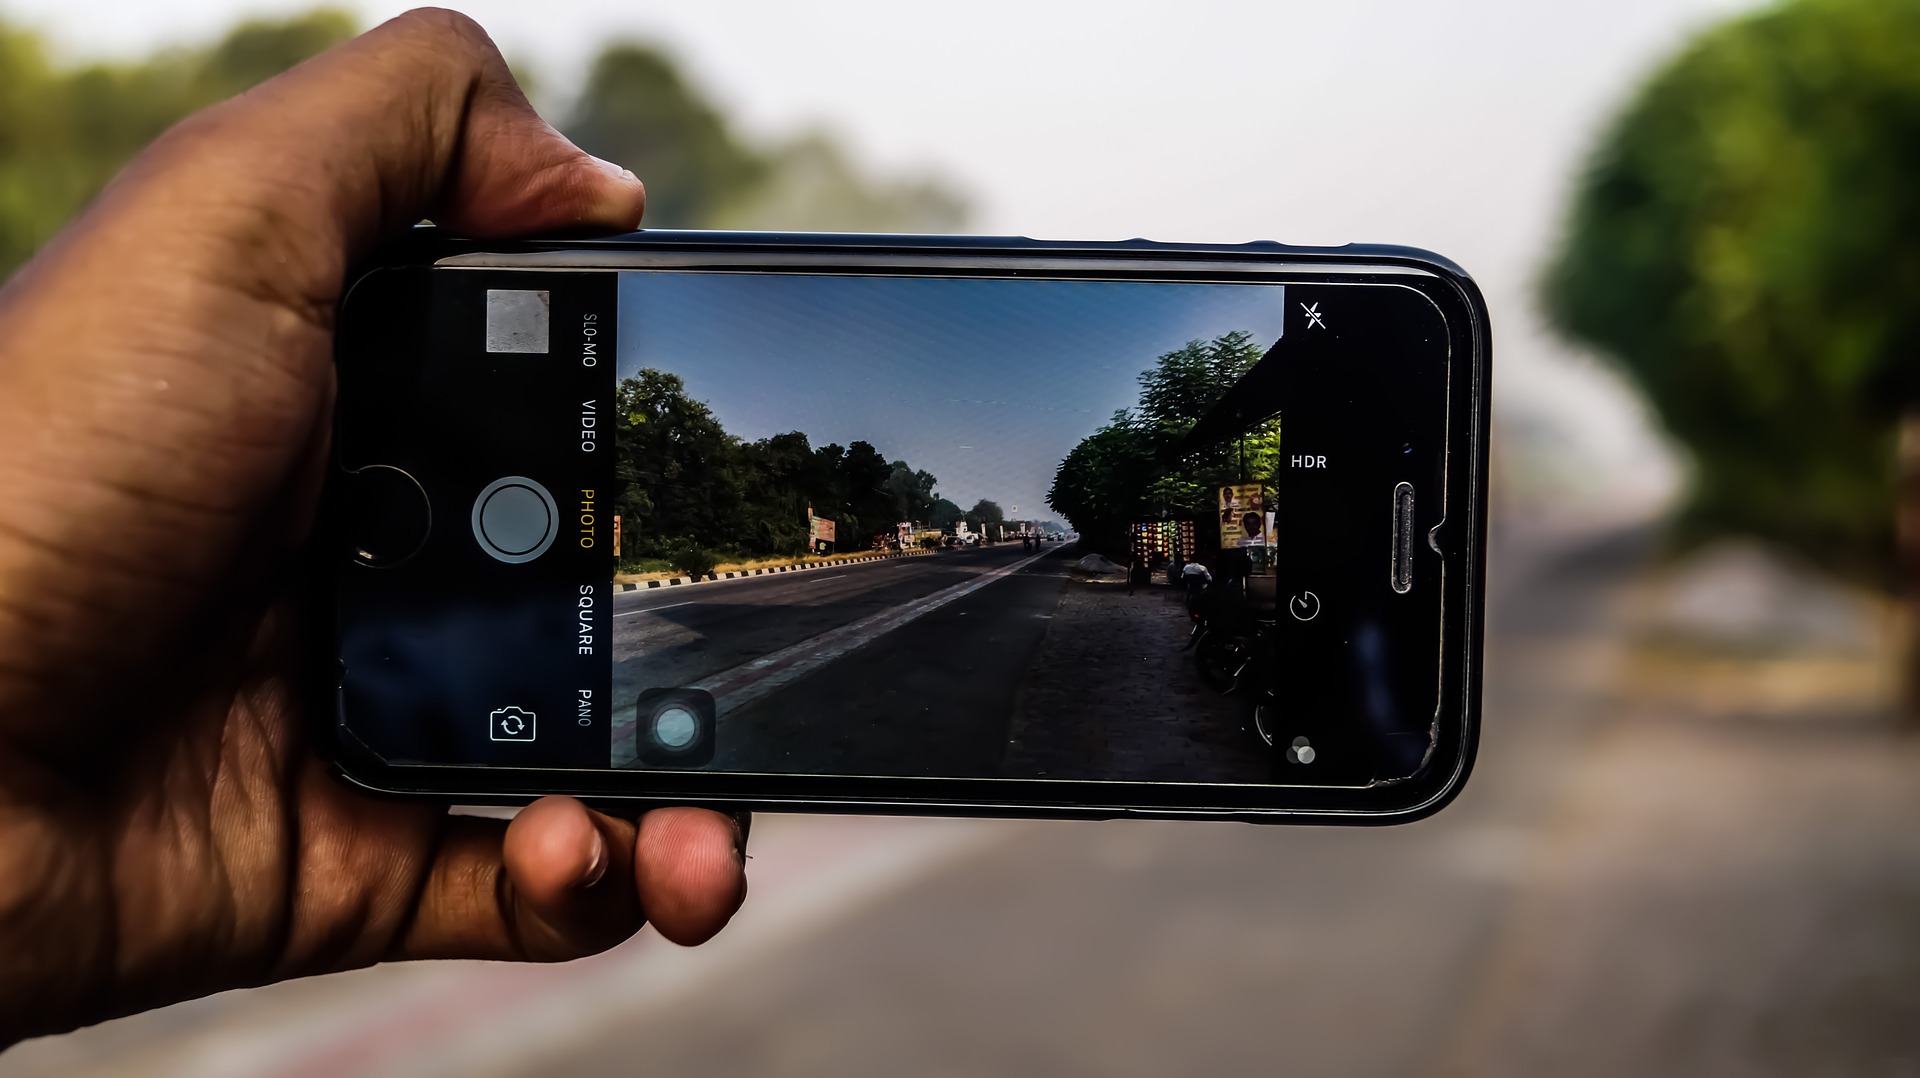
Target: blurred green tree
{"x": 637, "y": 109}
{"x": 811, "y": 185}
{"x": 1746, "y": 243}
{"x": 65, "y": 132}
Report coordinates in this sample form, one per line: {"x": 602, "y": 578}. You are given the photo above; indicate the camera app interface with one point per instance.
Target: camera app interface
{"x": 953, "y": 527}
{"x": 900, "y": 526}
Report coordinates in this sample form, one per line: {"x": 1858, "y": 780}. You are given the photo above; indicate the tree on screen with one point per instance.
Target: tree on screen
{"x": 911, "y": 490}
{"x": 677, "y": 469}
{"x": 687, "y": 487}
{"x": 1130, "y": 468}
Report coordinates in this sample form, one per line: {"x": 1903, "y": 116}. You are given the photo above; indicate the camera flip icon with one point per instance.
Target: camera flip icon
{"x": 511, "y": 724}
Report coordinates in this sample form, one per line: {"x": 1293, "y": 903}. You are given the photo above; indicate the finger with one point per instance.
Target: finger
{"x": 690, "y": 871}
{"x": 568, "y": 870}
{"x": 563, "y": 881}
{"x": 553, "y": 884}
{"x": 472, "y": 152}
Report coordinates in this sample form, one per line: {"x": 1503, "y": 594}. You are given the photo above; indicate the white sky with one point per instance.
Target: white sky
{"x": 1453, "y": 126}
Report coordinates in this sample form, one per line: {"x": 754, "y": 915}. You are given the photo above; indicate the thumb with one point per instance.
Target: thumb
{"x": 417, "y": 118}
{"x": 467, "y": 149}
{"x": 516, "y": 175}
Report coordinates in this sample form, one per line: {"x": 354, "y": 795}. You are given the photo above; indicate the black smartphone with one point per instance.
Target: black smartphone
{"x": 948, "y": 525}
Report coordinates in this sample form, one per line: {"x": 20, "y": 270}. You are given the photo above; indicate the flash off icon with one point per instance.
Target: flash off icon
{"x": 511, "y": 724}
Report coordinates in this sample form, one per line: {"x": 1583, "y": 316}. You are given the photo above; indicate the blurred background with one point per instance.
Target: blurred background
{"x": 1689, "y": 846}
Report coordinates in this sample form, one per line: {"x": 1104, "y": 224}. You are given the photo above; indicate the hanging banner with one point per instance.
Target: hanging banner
{"x": 1242, "y": 516}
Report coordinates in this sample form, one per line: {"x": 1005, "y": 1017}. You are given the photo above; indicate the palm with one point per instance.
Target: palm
{"x": 216, "y": 852}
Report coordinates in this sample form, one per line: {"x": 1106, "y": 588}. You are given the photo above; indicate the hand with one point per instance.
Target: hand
{"x": 165, "y": 393}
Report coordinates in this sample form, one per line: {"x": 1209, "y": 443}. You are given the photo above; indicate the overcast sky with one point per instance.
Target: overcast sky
{"x": 1453, "y": 126}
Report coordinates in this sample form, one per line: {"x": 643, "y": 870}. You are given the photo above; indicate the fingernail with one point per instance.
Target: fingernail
{"x": 614, "y": 170}
{"x": 622, "y": 205}
{"x": 599, "y": 866}
{"x": 742, "y": 827}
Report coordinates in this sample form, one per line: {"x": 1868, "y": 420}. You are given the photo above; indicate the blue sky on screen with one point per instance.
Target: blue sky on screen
{"x": 985, "y": 383}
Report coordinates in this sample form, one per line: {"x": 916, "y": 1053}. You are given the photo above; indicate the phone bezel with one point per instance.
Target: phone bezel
{"x": 1457, "y": 721}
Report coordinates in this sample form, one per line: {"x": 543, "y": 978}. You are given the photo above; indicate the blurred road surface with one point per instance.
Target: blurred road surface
{"x": 1621, "y": 890}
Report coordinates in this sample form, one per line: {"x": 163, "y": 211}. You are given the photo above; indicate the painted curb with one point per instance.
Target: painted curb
{"x": 710, "y": 578}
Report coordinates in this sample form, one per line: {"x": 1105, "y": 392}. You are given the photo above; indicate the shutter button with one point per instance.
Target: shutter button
{"x": 515, "y": 519}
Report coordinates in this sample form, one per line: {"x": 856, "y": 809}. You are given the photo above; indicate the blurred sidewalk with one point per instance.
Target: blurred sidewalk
{"x": 1632, "y": 883}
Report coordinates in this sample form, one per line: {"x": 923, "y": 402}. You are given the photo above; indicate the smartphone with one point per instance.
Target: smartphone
{"x": 943, "y": 525}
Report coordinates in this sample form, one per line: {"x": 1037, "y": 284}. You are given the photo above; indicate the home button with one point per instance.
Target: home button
{"x": 515, "y": 519}
{"x": 385, "y": 516}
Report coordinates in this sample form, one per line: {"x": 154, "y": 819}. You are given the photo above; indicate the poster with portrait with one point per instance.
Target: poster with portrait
{"x": 1242, "y": 516}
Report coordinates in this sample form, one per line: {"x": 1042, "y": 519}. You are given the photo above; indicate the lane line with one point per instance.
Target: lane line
{"x": 738, "y": 686}
{"x": 656, "y": 609}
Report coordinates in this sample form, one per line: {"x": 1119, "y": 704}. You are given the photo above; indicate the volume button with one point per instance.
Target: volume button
{"x": 1403, "y": 530}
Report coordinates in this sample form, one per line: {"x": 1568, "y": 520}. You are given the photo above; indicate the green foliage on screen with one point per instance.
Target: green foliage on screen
{"x": 1746, "y": 243}
{"x": 689, "y": 486}
{"x": 1126, "y": 470}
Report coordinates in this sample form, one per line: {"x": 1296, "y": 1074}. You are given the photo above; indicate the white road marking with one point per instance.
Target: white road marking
{"x": 741, "y": 685}
{"x": 657, "y": 609}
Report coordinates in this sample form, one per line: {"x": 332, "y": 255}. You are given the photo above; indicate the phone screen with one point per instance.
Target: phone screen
{"x": 905, "y": 526}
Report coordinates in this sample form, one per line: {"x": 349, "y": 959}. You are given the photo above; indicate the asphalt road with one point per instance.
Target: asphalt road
{"x": 933, "y": 696}
{"x": 903, "y": 667}
{"x": 679, "y": 635}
